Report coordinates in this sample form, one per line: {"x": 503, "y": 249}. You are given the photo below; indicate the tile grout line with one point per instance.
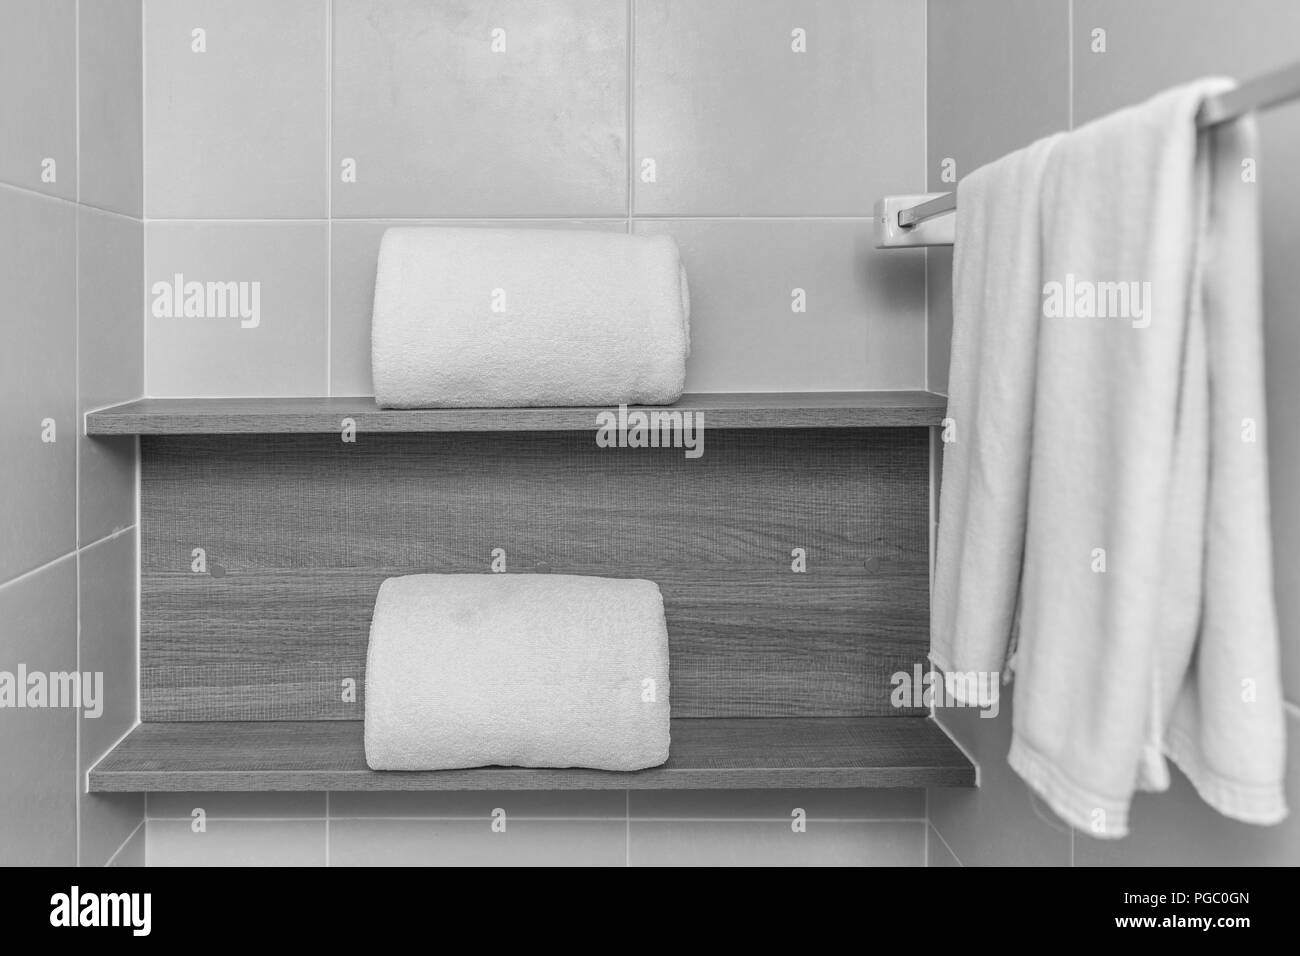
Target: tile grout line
{"x": 631, "y": 107}
{"x": 38, "y": 569}
{"x": 76, "y": 408}
{"x": 144, "y": 115}
{"x": 575, "y": 219}
{"x": 932, "y": 449}
{"x": 925, "y": 183}
{"x": 71, "y": 202}
{"x": 933, "y": 464}
{"x": 329, "y": 210}
{"x": 946, "y": 845}
{"x": 76, "y": 717}
{"x": 139, "y": 703}
{"x": 130, "y": 837}
{"x": 108, "y": 212}
{"x": 925, "y": 847}
{"x": 63, "y": 557}
{"x": 76, "y": 97}
{"x": 330, "y": 816}
{"x": 144, "y": 310}
{"x": 144, "y": 259}
{"x": 1069, "y": 60}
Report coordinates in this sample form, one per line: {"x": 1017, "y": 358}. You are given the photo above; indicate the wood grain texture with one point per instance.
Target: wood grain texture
{"x": 715, "y": 753}
{"x": 299, "y": 531}
{"x": 219, "y": 416}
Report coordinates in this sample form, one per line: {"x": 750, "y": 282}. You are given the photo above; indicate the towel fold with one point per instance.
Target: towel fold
{"x": 520, "y": 670}
{"x": 1144, "y": 606}
{"x": 469, "y": 317}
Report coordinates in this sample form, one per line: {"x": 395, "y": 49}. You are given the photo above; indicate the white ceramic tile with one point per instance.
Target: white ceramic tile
{"x": 239, "y": 129}
{"x": 38, "y": 386}
{"x": 236, "y": 843}
{"x": 937, "y": 852}
{"x": 478, "y": 805}
{"x": 38, "y": 746}
{"x": 437, "y": 123}
{"x": 216, "y": 805}
{"x": 38, "y": 95}
{"x": 736, "y": 122}
{"x": 863, "y": 319}
{"x": 777, "y": 844}
{"x": 938, "y": 285}
{"x": 111, "y": 105}
{"x": 981, "y": 106}
{"x": 778, "y": 805}
{"x": 110, "y": 369}
{"x": 132, "y": 852}
{"x": 279, "y": 351}
{"x": 108, "y": 646}
{"x": 473, "y": 843}
{"x": 1029, "y": 83}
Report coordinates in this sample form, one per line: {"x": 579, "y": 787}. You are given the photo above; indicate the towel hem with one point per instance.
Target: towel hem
{"x": 1258, "y": 804}
{"x": 956, "y": 689}
{"x": 1072, "y": 803}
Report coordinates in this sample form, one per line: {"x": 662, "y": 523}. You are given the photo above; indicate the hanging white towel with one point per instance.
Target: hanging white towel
{"x": 986, "y": 433}
{"x": 1146, "y": 622}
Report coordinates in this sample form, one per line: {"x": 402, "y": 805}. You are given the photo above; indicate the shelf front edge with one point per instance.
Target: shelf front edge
{"x": 708, "y": 754}
{"x": 230, "y": 416}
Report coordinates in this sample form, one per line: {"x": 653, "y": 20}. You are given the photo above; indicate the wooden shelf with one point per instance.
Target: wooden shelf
{"x": 228, "y": 416}
{"x": 712, "y": 753}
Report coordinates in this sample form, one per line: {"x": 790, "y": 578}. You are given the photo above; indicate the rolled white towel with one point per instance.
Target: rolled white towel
{"x": 520, "y": 670}
{"x": 470, "y": 317}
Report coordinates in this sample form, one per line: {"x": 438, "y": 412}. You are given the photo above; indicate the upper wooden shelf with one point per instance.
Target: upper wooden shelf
{"x": 706, "y": 753}
{"x": 229, "y": 416}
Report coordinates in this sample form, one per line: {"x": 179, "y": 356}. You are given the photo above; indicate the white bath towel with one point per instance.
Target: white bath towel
{"x": 1145, "y": 622}
{"x": 986, "y": 433}
{"x": 469, "y": 317}
{"x": 521, "y": 670}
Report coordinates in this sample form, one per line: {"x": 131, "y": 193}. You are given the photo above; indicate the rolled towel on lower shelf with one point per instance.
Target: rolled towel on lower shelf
{"x": 481, "y": 318}
{"x": 517, "y": 670}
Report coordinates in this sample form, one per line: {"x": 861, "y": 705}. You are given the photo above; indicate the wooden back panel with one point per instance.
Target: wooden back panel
{"x": 298, "y": 532}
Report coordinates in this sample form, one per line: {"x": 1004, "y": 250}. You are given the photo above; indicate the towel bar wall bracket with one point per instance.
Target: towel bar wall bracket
{"x": 893, "y": 232}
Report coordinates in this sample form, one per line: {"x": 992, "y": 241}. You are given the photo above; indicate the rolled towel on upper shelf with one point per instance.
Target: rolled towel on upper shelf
{"x": 470, "y": 318}
{"x": 517, "y": 670}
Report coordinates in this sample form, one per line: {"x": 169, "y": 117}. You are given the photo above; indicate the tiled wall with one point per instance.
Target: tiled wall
{"x": 1044, "y": 78}
{"x": 757, "y": 132}
{"x": 766, "y": 162}
{"x": 71, "y": 266}
{"x": 606, "y": 828}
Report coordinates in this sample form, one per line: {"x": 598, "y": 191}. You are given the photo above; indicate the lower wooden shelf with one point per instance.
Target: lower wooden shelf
{"x": 713, "y": 753}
